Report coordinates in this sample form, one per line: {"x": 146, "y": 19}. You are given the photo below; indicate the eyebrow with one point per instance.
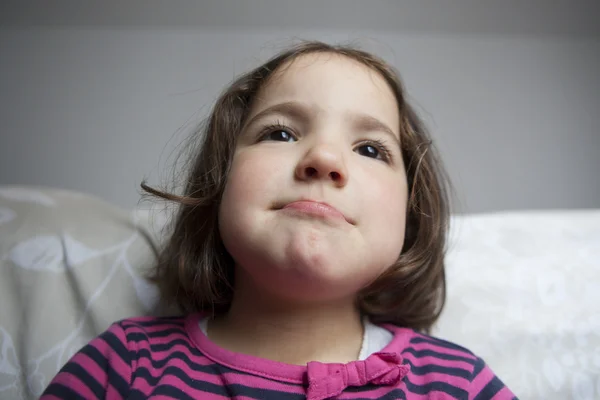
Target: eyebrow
{"x": 367, "y": 122}
{"x": 301, "y": 112}
{"x": 292, "y": 109}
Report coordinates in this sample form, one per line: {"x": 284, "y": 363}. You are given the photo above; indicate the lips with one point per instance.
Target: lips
{"x": 316, "y": 209}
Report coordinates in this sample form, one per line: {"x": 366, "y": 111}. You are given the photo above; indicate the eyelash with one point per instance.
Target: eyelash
{"x": 277, "y": 126}
{"x": 380, "y": 145}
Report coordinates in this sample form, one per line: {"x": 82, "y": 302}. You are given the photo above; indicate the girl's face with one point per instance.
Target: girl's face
{"x": 315, "y": 203}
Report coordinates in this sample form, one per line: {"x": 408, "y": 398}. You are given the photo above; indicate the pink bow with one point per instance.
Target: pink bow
{"x": 328, "y": 380}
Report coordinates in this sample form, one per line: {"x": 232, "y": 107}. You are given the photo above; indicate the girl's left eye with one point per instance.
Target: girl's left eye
{"x": 374, "y": 150}
{"x": 368, "y": 151}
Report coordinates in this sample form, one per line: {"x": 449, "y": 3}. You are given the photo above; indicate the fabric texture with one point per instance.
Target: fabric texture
{"x": 524, "y": 294}
{"x": 172, "y": 358}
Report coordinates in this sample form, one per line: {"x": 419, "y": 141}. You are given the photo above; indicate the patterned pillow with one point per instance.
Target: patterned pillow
{"x": 70, "y": 265}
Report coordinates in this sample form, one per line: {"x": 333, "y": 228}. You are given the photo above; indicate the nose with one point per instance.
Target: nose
{"x": 323, "y": 162}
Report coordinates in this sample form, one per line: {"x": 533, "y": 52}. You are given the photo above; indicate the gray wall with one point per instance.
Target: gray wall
{"x": 96, "y": 101}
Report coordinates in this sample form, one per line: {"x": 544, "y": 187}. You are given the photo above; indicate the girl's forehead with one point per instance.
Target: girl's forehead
{"x": 322, "y": 66}
{"x": 330, "y": 81}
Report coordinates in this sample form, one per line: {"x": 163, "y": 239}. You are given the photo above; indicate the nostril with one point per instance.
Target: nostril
{"x": 334, "y": 175}
{"x": 311, "y": 172}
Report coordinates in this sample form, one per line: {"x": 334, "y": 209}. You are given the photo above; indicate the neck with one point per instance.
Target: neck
{"x": 292, "y": 333}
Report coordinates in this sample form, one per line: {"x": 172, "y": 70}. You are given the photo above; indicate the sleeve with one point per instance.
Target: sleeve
{"x": 100, "y": 370}
{"x": 485, "y": 385}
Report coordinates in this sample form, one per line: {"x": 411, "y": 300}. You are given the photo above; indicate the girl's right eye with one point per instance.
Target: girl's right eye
{"x": 278, "y": 133}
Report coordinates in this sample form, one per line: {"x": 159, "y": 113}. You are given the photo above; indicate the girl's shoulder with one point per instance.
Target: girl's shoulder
{"x": 152, "y": 321}
{"x": 433, "y": 360}
{"x": 412, "y": 340}
{"x": 151, "y": 328}
{"x": 136, "y": 333}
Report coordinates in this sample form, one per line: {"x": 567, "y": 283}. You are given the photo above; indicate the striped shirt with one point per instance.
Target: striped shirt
{"x": 171, "y": 358}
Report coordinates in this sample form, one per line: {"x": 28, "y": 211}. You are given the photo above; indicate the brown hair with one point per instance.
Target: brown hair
{"x": 194, "y": 269}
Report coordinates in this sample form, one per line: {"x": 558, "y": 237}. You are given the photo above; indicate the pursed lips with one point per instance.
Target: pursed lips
{"x": 316, "y": 208}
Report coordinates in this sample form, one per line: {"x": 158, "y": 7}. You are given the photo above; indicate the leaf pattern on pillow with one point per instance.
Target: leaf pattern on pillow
{"x": 38, "y": 253}
{"x": 70, "y": 265}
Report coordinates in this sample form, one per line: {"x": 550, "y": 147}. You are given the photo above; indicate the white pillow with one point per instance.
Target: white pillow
{"x": 524, "y": 294}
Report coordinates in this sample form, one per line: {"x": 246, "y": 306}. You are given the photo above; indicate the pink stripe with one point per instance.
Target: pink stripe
{"x": 203, "y": 396}
{"x": 166, "y": 354}
{"x": 440, "y": 377}
{"x": 119, "y": 365}
{"x": 152, "y": 330}
{"x": 504, "y": 394}
{"x": 145, "y": 319}
{"x": 92, "y": 368}
{"x": 162, "y": 356}
{"x": 181, "y": 365}
{"x": 167, "y": 340}
{"x": 482, "y": 379}
{"x": 104, "y": 347}
{"x": 73, "y": 383}
{"x": 112, "y": 393}
{"x": 143, "y": 386}
{"x": 254, "y": 381}
{"x": 177, "y": 383}
{"x": 229, "y": 377}
{"x": 148, "y": 364}
{"x": 376, "y": 393}
{"x": 170, "y": 337}
{"x": 147, "y": 340}
{"x": 420, "y": 361}
{"x": 113, "y": 359}
{"x": 132, "y": 326}
{"x": 185, "y": 347}
{"x": 254, "y": 398}
{"x": 443, "y": 350}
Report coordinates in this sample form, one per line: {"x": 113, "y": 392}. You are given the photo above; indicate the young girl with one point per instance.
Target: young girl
{"x": 307, "y": 253}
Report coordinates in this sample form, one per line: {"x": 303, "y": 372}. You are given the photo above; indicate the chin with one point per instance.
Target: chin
{"x": 316, "y": 282}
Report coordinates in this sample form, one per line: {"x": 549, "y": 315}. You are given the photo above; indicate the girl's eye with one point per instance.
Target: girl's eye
{"x": 374, "y": 150}
{"x": 278, "y": 134}
{"x": 368, "y": 151}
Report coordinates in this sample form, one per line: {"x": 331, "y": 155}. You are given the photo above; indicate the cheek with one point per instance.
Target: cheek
{"x": 252, "y": 183}
{"x": 239, "y": 196}
{"x": 387, "y": 217}
{"x": 243, "y": 182}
